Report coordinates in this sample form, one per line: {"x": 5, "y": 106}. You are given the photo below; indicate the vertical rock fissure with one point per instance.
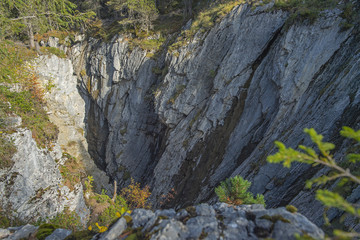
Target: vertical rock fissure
{"x": 192, "y": 176}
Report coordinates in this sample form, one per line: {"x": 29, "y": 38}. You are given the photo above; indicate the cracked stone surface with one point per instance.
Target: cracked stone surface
{"x": 33, "y": 189}
{"x": 223, "y": 99}
{"x": 225, "y": 222}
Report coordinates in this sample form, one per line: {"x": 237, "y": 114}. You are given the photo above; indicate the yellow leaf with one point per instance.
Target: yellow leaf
{"x": 103, "y": 229}
{"x": 122, "y": 210}
{"x": 129, "y": 211}
{"x": 118, "y": 214}
{"x": 90, "y": 228}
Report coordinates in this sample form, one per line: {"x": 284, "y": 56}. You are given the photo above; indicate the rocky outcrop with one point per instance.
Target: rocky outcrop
{"x": 32, "y": 189}
{"x": 220, "y": 221}
{"x": 67, "y": 111}
{"x": 221, "y": 102}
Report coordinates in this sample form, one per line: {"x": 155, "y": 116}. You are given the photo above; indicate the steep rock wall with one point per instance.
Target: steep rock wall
{"x": 67, "y": 111}
{"x": 32, "y": 189}
{"x": 226, "y": 96}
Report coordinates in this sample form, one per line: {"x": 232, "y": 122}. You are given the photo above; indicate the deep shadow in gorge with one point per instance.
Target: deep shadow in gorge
{"x": 223, "y": 101}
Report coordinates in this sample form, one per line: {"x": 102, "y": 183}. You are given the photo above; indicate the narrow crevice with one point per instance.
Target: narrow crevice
{"x": 191, "y": 177}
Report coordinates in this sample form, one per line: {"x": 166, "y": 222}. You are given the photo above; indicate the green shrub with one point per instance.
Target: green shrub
{"x": 104, "y": 211}
{"x": 28, "y": 103}
{"x": 45, "y": 230}
{"x": 111, "y": 213}
{"x": 234, "y": 191}
{"x": 323, "y": 157}
{"x": 72, "y": 171}
{"x": 5, "y": 222}
{"x": 68, "y": 220}
{"x": 291, "y": 208}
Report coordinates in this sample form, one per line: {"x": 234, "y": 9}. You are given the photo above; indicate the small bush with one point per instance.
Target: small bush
{"x": 45, "y": 230}
{"x": 234, "y": 191}
{"x": 28, "y": 101}
{"x": 71, "y": 171}
{"x": 135, "y": 196}
{"x": 104, "y": 210}
{"x": 68, "y": 220}
{"x": 291, "y": 208}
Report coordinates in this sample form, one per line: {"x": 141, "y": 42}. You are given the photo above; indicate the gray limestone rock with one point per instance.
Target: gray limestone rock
{"x": 115, "y": 231}
{"x": 32, "y": 188}
{"x": 68, "y": 112}
{"x": 59, "y": 234}
{"x": 165, "y": 212}
{"x": 223, "y": 99}
{"x": 141, "y": 216}
{"x": 23, "y": 233}
{"x": 53, "y": 42}
{"x": 205, "y": 210}
{"x": 227, "y": 222}
{"x": 170, "y": 229}
{"x": 4, "y": 233}
{"x": 202, "y": 225}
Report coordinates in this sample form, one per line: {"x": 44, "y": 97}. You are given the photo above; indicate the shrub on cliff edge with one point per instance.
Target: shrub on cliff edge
{"x": 234, "y": 191}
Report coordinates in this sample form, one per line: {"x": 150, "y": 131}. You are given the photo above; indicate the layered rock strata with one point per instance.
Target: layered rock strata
{"x": 221, "y": 101}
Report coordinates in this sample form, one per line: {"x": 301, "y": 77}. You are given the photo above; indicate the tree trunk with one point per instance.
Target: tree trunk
{"x": 31, "y": 36}
{"x": 115, "y": 192}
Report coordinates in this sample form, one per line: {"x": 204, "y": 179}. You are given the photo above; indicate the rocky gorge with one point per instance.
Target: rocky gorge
{"x": 192, "y": 116}
{"x": 221, "y": 102}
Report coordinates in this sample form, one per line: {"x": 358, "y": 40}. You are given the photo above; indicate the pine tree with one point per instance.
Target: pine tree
{"x": 235, "y": 191}
{"x": 138, "y": 12}
{"x": 18, "y": 16}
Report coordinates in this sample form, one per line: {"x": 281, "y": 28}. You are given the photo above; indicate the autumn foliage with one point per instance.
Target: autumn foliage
{"x": 135, "y": 196}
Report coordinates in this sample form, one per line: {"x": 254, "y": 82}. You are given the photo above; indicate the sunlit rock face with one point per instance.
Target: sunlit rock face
{"x": 33, "y": 188}
{"x": 219, "y": 104}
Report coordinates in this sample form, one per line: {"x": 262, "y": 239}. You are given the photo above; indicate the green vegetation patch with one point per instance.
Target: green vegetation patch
{"x": 65, "y": 37}
{"x": 53, "y": 50}
{"x": 311, "y": 10}
{"x": 67, "y": 220}
{"x": 26, "y": 101}
{"x": 204, "y": 20}
{"x": 71, "y": 171}
{"x": 291, "y": 208}
{"x": 235, "y": 191}
{"x": 45, "y": 230}
{"x": 179, "y": 90}
{"x": 6, "y": 220}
